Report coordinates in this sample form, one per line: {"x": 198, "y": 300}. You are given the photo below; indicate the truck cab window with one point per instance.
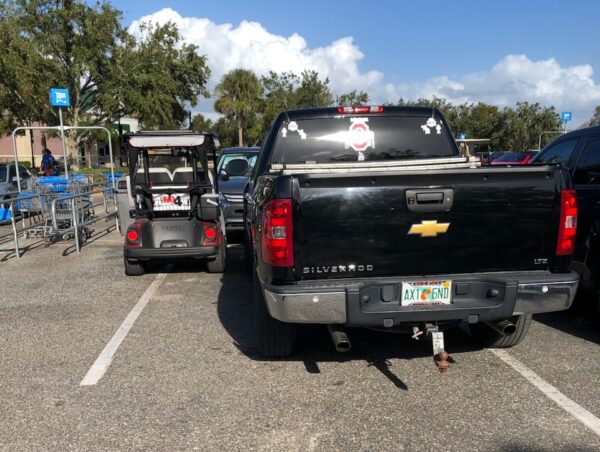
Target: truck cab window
{"x": 588, "y": 167}
{"x": 559, "y": 153}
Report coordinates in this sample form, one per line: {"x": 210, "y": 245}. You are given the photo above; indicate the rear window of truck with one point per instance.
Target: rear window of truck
{"x": 361, "y": 138}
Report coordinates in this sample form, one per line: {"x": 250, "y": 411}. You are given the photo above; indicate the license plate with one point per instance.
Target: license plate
{"x": 173, "y": 201}
{"x": 426, "y": 293}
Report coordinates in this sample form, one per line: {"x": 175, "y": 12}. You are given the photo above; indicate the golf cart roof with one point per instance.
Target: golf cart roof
{"x": 166, "y": 139}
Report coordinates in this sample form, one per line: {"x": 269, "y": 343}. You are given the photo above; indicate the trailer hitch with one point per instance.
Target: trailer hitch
{"x": 433, "y": 333}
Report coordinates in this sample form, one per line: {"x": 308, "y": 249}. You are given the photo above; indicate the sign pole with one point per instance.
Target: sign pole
{"x": 62, "y": 137}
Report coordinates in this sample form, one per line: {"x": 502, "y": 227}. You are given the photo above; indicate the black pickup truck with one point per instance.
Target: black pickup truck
{"x": 579, "y": 151}
{"x": 369, "y": 217}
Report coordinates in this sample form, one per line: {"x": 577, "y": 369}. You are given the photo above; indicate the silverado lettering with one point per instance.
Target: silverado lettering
{"x": 337, "y": 269}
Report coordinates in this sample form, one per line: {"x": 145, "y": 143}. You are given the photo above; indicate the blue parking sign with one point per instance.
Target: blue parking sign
{"x": 59, "y": 97}
{"x": 566, "y": 116}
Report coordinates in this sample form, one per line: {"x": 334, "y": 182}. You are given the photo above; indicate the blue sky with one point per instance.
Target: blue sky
{"x": 547, "y": 51}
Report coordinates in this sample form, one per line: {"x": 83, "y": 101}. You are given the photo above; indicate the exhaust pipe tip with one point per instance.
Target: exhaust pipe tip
{"x": 504, "y": 327}
{"x": 343, "y": 346}
{"x": 509, "y": 329}
{"x": 339, "y": 338}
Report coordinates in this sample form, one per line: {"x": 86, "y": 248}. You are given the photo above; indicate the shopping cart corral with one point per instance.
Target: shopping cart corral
{"x": 59, "y": 210}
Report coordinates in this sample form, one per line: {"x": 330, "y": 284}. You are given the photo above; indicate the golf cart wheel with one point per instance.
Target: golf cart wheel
{"x": 490, "y": 338}
{"x": 218, "y": 265}
{"x": 134, "y": 268}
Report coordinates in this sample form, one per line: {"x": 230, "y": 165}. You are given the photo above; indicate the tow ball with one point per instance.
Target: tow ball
{"x": 440, "y": 355}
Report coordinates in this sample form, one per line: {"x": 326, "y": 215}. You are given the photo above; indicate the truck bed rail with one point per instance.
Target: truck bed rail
{"x": 380, "y": 166}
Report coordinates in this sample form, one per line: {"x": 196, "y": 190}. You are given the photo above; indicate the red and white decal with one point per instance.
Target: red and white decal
{"x": 359, "y": 136}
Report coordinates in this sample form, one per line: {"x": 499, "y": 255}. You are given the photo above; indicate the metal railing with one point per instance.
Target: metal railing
{"x": 52, "y": 217}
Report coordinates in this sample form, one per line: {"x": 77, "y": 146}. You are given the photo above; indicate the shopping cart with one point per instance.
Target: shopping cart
{"x": 66, "y": 204}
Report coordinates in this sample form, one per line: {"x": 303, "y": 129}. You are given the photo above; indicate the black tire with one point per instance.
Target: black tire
{"x": 274, "y": 339}
{"x": 218, "y": 265}
{"x": 134, "y": 268}
{"x": 493, "y": 339}
{"x": 248, "y": 254}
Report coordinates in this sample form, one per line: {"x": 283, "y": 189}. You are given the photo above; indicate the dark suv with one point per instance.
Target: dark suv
{"x": 579, "y": 151}
{"x": 234, "y": 169}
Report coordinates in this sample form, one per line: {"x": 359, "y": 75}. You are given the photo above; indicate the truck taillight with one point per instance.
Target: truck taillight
{"x": 277, "y": 239}
{"x": 567, "y": 228}
{"x": 360, "y": 109}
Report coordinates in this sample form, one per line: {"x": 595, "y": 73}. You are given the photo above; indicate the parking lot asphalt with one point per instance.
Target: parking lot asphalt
{"x": 187, "y": 375}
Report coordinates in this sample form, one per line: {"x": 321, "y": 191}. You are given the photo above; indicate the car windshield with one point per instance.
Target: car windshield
{"x": 250, "y": 158}
{"x": 354, "y": 138}
{"x": 513, "y": 157}
{"x": 2, "y": 173}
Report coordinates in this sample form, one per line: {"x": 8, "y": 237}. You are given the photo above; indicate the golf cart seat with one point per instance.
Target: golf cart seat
{"x": 183, "y": 176}
{"x": 158, "y": 176}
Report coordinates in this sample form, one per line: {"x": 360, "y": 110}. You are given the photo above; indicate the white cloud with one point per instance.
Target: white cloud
{"x": 514, "y": 78}
{"x": 251, "y": 46}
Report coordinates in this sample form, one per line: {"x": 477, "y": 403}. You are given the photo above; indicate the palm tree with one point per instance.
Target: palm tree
{"x": 239, "y": 95}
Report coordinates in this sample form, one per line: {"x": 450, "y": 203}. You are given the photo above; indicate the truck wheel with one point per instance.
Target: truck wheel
{"x": 134, "y": 268}
{"x": 274, "y": 339}
{"x": 218, "y": 265}
{"x": 248, "y": 253}
{"x": 493, "y": 339}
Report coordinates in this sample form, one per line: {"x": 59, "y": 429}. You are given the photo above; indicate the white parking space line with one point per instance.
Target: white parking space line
{"x": 570, "y": 406}
{"x": 105, "y": 358}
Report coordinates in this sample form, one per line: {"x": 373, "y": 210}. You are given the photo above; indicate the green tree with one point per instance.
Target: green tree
{"x": 279, "y": 95}
{"x": 514, "y": 129}
{"x": 202, "y": 124}
{"x": 70, "y": 44}
{"x": 226, "y": 130}
{"x": 595, "y": 120}
{"x": 485, "y": 121}
{"x": 286, "y": 91}
{"x": 312, "y": 92}
{"x": 522, "y": 125}
{"x": 352, "y": 98}
{"x": 159, "y": 76}
{"x": 52, "y": 43}
{"x": 239, "y": 97}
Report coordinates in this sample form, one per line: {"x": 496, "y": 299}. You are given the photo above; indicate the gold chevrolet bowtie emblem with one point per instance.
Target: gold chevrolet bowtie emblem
{"x": 429, "y": 228}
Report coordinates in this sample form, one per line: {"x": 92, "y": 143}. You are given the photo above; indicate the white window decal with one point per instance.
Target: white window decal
{"x": 432, "y": 124}
{"x": 293, "y": 127}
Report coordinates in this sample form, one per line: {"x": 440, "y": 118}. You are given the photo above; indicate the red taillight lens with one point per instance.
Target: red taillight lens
{"x": 133, "y": 238}
{"x": 211, "y": 234}
{"x": 277, "y": 238}
{"x": 361, "y": 109}
{"x": 567, "y": 229}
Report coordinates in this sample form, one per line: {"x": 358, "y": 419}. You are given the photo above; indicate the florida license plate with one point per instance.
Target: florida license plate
{"x": 426, "y": 293}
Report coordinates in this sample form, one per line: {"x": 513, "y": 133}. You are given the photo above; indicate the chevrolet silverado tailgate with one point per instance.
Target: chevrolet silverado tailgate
{"x": 424, "y": 222}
